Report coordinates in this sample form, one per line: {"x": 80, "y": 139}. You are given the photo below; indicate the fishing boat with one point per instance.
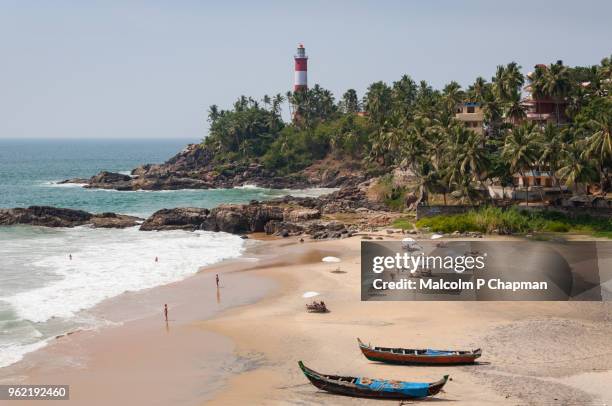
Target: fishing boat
{"x": 372, "y": 388}
{"x": 422, "y": 356}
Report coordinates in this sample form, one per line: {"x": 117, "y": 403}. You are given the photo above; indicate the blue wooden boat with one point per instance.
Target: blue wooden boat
{"x": 372, "y": 388}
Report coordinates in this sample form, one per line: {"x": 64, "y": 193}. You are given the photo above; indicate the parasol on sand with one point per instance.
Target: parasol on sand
{"x": 310, "y": 294}
{"x": 331, "y": 259}
{"x": 436, "y": 236}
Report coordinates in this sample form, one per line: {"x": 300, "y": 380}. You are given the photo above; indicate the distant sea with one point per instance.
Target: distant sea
{"x": 42, "y": 292}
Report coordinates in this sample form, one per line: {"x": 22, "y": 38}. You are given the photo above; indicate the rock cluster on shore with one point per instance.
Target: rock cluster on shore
{"x": 47, "y": 216}
{"x": 248, "y": 218}
{"x": 284, "y": 216}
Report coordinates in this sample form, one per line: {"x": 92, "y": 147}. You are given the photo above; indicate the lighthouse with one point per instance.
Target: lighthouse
{"x": 301, "y": 67}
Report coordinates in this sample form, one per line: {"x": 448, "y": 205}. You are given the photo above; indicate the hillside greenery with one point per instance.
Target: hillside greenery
{"x": 411, "y": 125}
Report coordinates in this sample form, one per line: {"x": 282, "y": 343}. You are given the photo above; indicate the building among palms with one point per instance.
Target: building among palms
{"x": 545, "y": 102}
{"x": 471, "y": 115}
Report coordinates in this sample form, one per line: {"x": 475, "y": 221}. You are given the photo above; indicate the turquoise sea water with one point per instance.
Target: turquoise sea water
{"x": 42, "y": 292}
{"x": 29, "y": 170}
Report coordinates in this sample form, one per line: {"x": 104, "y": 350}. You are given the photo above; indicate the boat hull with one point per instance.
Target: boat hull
{"x": 336, "y": 385}
{"x": 390, "y": 357}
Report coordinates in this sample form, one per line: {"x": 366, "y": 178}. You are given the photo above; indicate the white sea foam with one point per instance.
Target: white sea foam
{"x": 247, "y": 186}
{"x": 56, "y": 183}
{"x": 107, "y": 263}
{"x": 15, "y": 353}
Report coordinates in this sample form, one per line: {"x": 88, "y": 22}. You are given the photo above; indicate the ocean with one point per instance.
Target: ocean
{"x": 42, "y": 292}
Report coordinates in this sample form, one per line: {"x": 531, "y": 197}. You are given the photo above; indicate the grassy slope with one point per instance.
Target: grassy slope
{"x": 491, "y": 219}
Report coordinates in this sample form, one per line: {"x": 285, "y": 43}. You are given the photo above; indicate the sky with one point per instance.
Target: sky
{"x": 128, "y": 69}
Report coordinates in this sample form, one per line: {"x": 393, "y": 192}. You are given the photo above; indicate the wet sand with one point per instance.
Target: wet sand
{"x": 138, "y": 359}
{"x": 236, "y": 349}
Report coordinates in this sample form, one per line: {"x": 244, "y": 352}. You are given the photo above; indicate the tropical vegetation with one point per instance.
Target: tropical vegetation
{"x": 411, "y": 125}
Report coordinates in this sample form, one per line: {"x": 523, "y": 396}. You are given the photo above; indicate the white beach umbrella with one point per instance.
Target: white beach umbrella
{"x": 309, "y": 294}
{"x": 331, "y": 259}
{"x": 436, "y": 236}
{"x": 408, "y": 239}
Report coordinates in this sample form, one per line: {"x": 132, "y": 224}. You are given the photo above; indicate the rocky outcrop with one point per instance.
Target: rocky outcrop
{"x": 248, "y": 218}
{"x": 193, "y": 168}
{"x": 113, "y": 220}
{"x": 348, "y": 199}
{"x": 47, "y": 216}
{"x": 230, "y": 218}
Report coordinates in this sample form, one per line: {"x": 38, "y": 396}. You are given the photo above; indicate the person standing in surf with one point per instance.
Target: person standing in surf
{"x": 166, "y": 312}
{"x": 217, "y": 279}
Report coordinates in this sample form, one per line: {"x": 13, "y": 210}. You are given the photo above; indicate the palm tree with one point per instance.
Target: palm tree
{"x": 378, "y": 102}
{"x": 277, "y": 102}
{"x": 404, "y": 95}
{"x": 213, "y": 113}
{"x": 553, "y": 149}
{"x": 478, "y": 90}
{"x": 514, "y": 108}
{"x": 453, "y": 95}
{"x": 473, "y": 158}
{"x": 492, "y": 110}
{"x": 599, "y": 147}
{"x": 512, "y": 79}
{"x": 575, "y": 169}
{"x": 521, "y": 151}
{"x": 350, "y": 102}
{"x": 551, "y": 82}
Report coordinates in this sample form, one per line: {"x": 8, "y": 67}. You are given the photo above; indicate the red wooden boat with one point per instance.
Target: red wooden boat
{"x": 422, "y": 356}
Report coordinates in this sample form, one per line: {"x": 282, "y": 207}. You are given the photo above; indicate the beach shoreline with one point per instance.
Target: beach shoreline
{"x": 244, "y": 345}
{"x": 133, "y": 348}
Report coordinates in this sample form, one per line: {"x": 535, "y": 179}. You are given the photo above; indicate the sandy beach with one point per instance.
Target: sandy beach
{"x": 241, "y": 346}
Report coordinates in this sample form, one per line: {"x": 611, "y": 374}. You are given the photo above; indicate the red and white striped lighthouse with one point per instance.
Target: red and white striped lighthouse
{"x": 301, "y": 67}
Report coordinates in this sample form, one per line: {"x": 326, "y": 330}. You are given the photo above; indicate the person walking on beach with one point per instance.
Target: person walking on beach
{"x": 156, "y": 259}
{"x": 70, "y": 256}
{"x": 217, "y": 279}
{"x": 166, "y": 312}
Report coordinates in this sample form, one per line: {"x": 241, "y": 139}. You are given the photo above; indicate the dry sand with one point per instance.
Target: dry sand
{"x": 537, "y": 353}
{"x": 242, "y": 346}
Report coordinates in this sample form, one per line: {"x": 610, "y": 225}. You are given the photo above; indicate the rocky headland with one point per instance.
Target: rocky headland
{"x": 193, "y": 168}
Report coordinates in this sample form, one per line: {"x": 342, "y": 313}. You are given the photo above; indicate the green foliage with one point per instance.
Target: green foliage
{"x": 405, "y": 223}
{"x": 514, "y": 220}
{"x": 412, "y": 126}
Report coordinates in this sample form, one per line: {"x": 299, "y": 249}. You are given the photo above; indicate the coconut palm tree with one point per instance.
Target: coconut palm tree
{"x": 512, "y": 79}
{"x": 514, "y": 109}
{"x": 575, "y": 169}
{"x": 553, "y": 148}
{"x": 521, "y": 151}
{"x": 599, "y": 146}
{"x": 551, "y": 82}
{"x": 477, "y": 92}
{"x": 213, "y": 113}
{"x": 350, "y": 102}
{"x": 378, "y": 102}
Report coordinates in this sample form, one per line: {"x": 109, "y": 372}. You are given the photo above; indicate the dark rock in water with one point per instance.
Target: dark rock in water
{"x": 110, "y": 180}
{"x": 47, "y": 216}
{"x": 113, "y": 220}
{"x": 185, "y": 218}
{"x": 44, "y": 216}
{"x": 74, "y": 180}
{"x": 230, "y": 218}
